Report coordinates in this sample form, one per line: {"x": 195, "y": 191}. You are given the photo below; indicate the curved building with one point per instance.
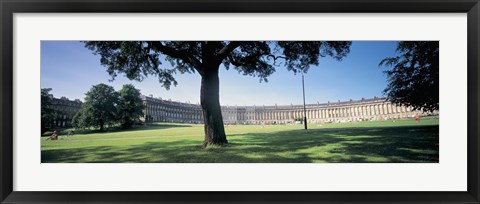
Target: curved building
{"x": 161, "y": 110}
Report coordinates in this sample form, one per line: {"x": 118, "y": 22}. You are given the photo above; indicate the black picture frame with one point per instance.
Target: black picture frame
{"x": 10, "y": 7}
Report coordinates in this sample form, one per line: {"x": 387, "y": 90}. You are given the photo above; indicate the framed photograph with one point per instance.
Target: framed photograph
{"x": 253, "y": 102}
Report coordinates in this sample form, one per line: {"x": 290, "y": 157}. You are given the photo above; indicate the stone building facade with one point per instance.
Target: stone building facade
{"x": 160, "y": 110}
{"x": 66, "y": 109}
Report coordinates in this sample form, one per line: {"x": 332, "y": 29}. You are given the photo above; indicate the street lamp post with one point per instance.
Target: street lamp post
{"x": 304, "y": 108}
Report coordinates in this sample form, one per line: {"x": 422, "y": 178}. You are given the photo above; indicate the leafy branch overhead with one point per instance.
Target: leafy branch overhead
{"x": 414, "y": 78}
{"x": 138, "y": 59}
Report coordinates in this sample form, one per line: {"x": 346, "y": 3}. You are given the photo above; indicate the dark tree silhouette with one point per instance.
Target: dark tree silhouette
{"x": 48, "y": 115}
{"x": 414, "y": 79}
{"x": 137, "y": 59}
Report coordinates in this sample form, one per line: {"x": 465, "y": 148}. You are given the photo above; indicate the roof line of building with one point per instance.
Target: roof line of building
{"x": 363, "y": 100}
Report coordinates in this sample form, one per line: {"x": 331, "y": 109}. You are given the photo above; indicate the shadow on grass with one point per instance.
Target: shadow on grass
{"x": 150, "y": 126}
{"x": 349, "y": 145}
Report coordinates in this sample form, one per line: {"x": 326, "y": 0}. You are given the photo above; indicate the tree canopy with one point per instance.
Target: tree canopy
{"x": 104, "y": 106}
{"x": 99, "y": 108}
{"x": 130, "y": 106}
{"x": 414, "y": 78}
{"x": 138, "y": 59}
{"x": 163, "y": 59}
{"x": 48, "y": 115}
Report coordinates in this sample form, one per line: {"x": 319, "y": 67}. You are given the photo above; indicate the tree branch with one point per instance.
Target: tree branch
{"x": 225, "y": 51}
{"x": 180, "y": 54}
{"x": 275, "y": 58}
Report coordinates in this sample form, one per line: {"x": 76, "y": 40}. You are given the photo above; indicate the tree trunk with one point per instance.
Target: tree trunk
{"x": 212, "y": 114}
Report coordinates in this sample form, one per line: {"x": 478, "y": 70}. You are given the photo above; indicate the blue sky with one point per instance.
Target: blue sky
{"x": 71, "y": 70}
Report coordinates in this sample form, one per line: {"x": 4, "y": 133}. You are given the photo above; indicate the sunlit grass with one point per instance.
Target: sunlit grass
{"x": 373, "y": 141}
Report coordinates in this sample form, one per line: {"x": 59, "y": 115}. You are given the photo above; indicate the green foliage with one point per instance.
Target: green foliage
{"x": 104, "y": 106}
{"x": 130, "y": 106}
{"x": 77, "y": 120}
{"x": 82, "y": 119}
{"x": 414, "y": 79}
{"x": 138, "y": 59}
{"x": 300, "y": 55}
{"x": 99, "y": 108}
{"x": 48, "y": 115}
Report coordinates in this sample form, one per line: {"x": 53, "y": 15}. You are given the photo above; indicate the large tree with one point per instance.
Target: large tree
{"x": 414, "y": 78}
{"x": 130, "y": 106}
{"x": 48, "y": 115}
{"x": 137, "y": 59}
{"x": 99, "y": 108}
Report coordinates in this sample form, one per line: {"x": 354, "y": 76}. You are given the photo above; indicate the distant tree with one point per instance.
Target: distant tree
{"x": 48, "y": 115}
{"x": 77, "y": 120}
{"x": 130, "y": 106}
{"x": 82, "y": 119}
{"x": 414, "y": 79}
{"x": 137, "y": 59}
{"x": 99, "y": 108}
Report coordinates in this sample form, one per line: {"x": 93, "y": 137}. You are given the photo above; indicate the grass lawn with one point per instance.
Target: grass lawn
{"x": 373, "y": 141}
